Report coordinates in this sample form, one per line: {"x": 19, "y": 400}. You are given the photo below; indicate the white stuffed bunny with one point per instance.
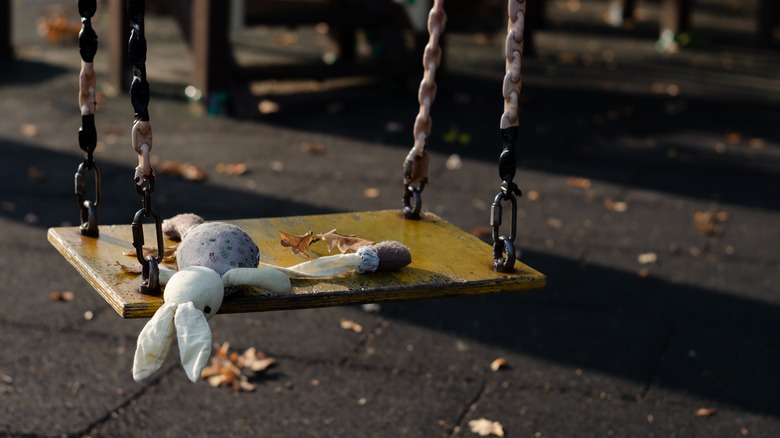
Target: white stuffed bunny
{"x": 212, "y": 257}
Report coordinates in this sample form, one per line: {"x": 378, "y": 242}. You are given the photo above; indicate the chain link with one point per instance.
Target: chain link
{"x": 504, "y": 252}
{"x": 416, "y": 163}
{"x": 141, "y": 139}
{"x": 88, "y": 45}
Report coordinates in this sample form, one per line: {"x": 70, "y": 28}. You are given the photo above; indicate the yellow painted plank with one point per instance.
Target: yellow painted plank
{"x": 446, "y": 261}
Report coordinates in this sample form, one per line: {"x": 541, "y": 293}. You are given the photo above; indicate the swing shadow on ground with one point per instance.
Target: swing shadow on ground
{"x": 665, "y": 338}
{"x": 38, "y": 189}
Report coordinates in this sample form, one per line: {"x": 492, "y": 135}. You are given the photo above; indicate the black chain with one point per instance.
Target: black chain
{"x": 144, "y": 184}
{"x": 504, "y": 252}
{"x": 88, "y": 45}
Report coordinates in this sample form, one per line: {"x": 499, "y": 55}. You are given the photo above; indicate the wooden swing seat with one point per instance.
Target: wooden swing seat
{"x": 446, "y": 261}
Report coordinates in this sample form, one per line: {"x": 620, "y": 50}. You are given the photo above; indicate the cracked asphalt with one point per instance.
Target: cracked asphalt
{"x": 651, "y": 203}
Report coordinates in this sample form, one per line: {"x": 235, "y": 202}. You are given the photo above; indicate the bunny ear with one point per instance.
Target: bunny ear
{"x": 194, "y": 339}
{"x": 154, "y": 342}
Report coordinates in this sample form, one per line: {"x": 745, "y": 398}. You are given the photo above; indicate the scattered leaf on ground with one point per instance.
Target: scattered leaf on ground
{"x": 6, "y": 378}
{"x": 453, "y": 162}
{"x": 618, "y": 206}
{"x": 498, "y": 364}
{"x": 298, "y": 244}
{"x": 35, "y": 175}
{"x": 233, "y": 370}
{"x": 482, "y": 231}
{"x": 29, "y": 129}
{"x": 371, "y": 192}
{"x": 344, "y": 242}
{"x": 533, "y": 196}
{"x": 188, "y": 171}
{"x": 485, "y": 427}
{"x": 62, "y": 296}
{"x": 647, "y": 258}
{"x": 708, "y": 222}
{"x": 347, "y": 324}
{"x": 231, "y": 169}
{"x": 705, "y": 412}
{"x": 580, "y": 183}
{"x": 733, "y": 138}
{"x": 554, "y": 222}
{"x": 744, "y": 431}
{"x": 267, "y": 107}
{"x": 313, "y": 147}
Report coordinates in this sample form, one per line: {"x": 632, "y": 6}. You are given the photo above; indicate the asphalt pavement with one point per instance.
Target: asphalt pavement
{"x": 651, "y": 202}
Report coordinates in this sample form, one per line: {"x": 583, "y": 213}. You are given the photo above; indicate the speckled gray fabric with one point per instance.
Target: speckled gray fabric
{"x": 218, "y": 246}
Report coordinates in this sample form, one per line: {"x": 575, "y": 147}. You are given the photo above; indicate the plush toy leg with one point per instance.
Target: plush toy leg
{"x": 327, "y": 266}
{"x": 269, "y": 279}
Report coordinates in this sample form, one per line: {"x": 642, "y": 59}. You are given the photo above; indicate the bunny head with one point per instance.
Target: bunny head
{"x": 192, "y": 296}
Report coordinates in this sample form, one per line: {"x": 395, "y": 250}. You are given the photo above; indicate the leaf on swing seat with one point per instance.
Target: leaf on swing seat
{"x": 134, "y": 270}
{"x": 169, "y": 253}
{"x": 298, "y": 244}
{"x": 344, "y": 242}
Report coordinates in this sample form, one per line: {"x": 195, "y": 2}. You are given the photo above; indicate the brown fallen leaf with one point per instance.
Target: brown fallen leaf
{"x": 313, "y": 148}
{"x": 533, "y": 196}
{"x": 482, "y": 231}
{"x": 618, "y": 206}
{"x": 580, "y": 183}
{"x": 344, "y": 242}
{"x": 133, "y": 270}
{"x": 232, "y": 370}
{"x": 188, "y": 171}
{"x": 62, "y": 296}
{"x": 485, "y": 427}
{"x": 231, "y": 169}
{"x": 647, "y": 258}
{"x": 298, "y": 244}
{"x": 169, "y": 253}
{"x": 710, "y": 223}
{"x": 35, "y": 175}
{"x": 705, "y": 412}
{"x": 497, "y": 364}
{"x": 29, "y": 129}
{"x": 371, "y": 192}
{"x": 347, "y": 324}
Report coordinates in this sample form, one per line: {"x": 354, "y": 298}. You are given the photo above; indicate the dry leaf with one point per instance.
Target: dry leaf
{"x": 709, "y": 223}
{"x": 482, "y": 231}
{"x": 554, "y": 223}
{"x": 6, "y": 378}
{"x": 169, "y": 254}
{"x": 533, "y": 196}
{"x": 29, "y": 129}
{"x": 231, "y": 169}
{"x": 618, "y": 206}
{"x": 188, "y": 171}
{"x": 347, "y": 324}
{"x": 35, "y": 175}
{"x": 227, "y": 369}
{"x": 705, "y": 412}
{"x": 647, "y": 258}
{"x": 744, "y": 431}
{"x": 344, "y": 242}
{"x": 137, "y": 269}
{"x": 267, "y": 107}
{"x": 580, "y": 183}
{"x": 498, "y": 364}
{"x": 62, "y": 296}
{"x": 453, "y": 162}
{"x": 371, "y": 192}
{"x": 485, "y": 427}
{"x": 314, "y": 148}
{"x": 298, "y": 244}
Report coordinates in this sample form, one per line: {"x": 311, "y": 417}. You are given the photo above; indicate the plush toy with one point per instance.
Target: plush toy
{"x": 213, "y": 258}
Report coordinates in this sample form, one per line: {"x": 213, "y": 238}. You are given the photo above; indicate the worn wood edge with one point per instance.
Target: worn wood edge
{"x": 59, "y": 242}
{"x": 529, "y": 279}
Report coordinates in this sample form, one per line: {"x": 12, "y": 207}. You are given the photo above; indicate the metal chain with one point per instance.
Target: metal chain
{"x": 141, "y": 137}
{"x": 88, "y": 45}
{"x": 504, "y": 252}
{"x": 416, "y": 163}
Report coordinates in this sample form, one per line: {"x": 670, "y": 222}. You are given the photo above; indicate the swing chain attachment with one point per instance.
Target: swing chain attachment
{"x": 89, "y": 222}
{"x": 415, "y": 171}
{"x": 150, "y": 271}
{"x": 504, "y": 251}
